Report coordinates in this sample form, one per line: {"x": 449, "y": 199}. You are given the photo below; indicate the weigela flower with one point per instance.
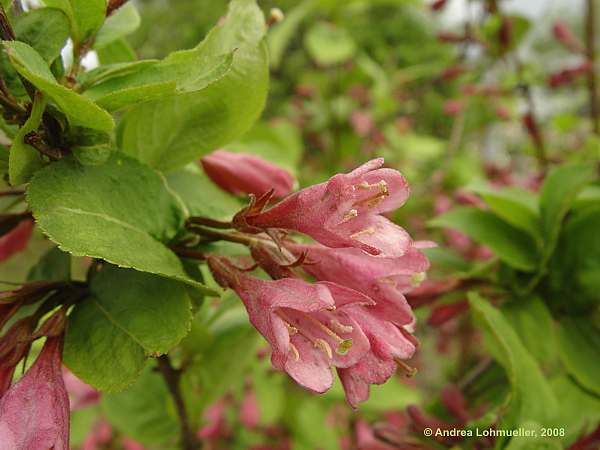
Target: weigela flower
{"x": 309, "y": 326}
{"x": 34, "y": 412}
{"x": 389, "y": 345}
{"x": 241, "y": 173}
{"x": 344, "y": 211}
{"x": 385, "y": 280}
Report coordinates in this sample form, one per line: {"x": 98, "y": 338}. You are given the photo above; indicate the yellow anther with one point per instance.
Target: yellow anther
{"x": 323, "y": 345}
{"x": 294, "y": 350}
{"x": 349, "y": 215}
{"x": 369, "y": 231}
{"x": 339, "y": 327}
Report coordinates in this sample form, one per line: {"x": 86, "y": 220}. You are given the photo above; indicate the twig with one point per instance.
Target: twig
{"x": 171, "y": 377}
{"x": 188, "y": 253}
{"x": 590, "y": 45}
{"x": 113, "y": 5}
{"x": 36, "y": 141}
{"x": 12, "y": 192}
{"x": 6, "y": 31}
{"x": 238, "y": 238}
{"x": 467, "y": 381}
{"x": 199, "y": 220}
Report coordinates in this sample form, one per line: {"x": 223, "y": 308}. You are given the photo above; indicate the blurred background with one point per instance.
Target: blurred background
{"x": 454, "y": 94}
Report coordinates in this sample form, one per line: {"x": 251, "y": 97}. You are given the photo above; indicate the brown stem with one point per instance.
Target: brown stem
{"x": 113, "y": 5}
{"x": 199, "y": 220}
{"x": 36, "y": 141}
{"x": 590, "y": 45}
{"x": 188, "y": 253}
{"x": 171, "y": 377}
{"x": 238, "y": 238}
{"x": 12, "y": 192}
{"x": 6, "y": 30}
{"x": 471, "y": 377}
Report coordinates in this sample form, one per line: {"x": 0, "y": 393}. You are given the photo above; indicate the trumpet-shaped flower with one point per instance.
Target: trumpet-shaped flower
{"x": 308, "y": 326}
{"x": 383, "y": 279}
{"x": 34, "y": 412}
{"x": 342, "y": 212}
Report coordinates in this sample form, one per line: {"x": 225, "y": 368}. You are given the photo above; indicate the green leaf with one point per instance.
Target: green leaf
{"x": 579, "y": 412}
{"x": 531, "y": 398}
{"x": 54, "y": 265}
{"x": 329, "y": 44}
{"x": 145, "y": 412}
{"x": 575, "y": 266}
{"x": 558, "y": 193}
{"x": 121, "y": 23}
{"x": 579, "y": 348}
{"x": 534, "y": 324}
{"x": 24, "y": 160}
{"x": 80, "y": 110}
{"x": 109, "y": 71}
{"x": 201, "y": 196}
{"x": 515, "y": 206}
{"x": 513, "y": 246}
{"x": 134, "y": 315}
{"x": 44, "y": 29}
{"x": 199, "y": 119}
{"x": 86, "y": 16}
{"x": 118, "y": 51}
{"x": 121, "y": 211}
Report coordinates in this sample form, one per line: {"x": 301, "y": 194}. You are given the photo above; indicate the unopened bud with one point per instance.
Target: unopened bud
{"x": 275, "y": 16}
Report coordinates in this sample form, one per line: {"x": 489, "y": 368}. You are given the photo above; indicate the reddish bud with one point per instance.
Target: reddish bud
{"x": 455, "y": 403}
{"x": 454, "y": 107}
{"x": 16, "y": 239}
{"x": 443, "y": 313}
{"x": 249, "y": 411}
{"x": 503, "y": 113}
{"x": 532, "y": 128}
{"x": 565, "y": 36}
{"x": 505, "y": 33}
{"x": 362, "y": 123}
{"x": 452, "y": 38}
{"x": 452, "y": 72}
{"x": 569, "y": 74}
{"x": 241, "y": 173}
{"x": 438, "y": 5}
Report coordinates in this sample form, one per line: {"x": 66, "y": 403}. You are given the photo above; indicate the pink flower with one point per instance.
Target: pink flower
{"x": 568, "y": 75}
{"x": 130, "y": 444}
{"x": 80, "y": 394}
{"x": 389, "y": 346}
{"x": 362, "y": 123}
{"x": 342, "y": 212}
{"x": 383, "y": 279}
{"x": 216, "y": 426}
{"x": 453, "y": 107}
{"x": 249, "y": 411}
{"x": 34, "y": 413}
{"x": 101, "y": 434}
{"x": 16, "y": 239}
{"x": 309, "y": 326}
{"x": 241, "y": 173}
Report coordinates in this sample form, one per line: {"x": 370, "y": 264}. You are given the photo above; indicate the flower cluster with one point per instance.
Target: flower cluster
{"x": 354, "y": 317}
